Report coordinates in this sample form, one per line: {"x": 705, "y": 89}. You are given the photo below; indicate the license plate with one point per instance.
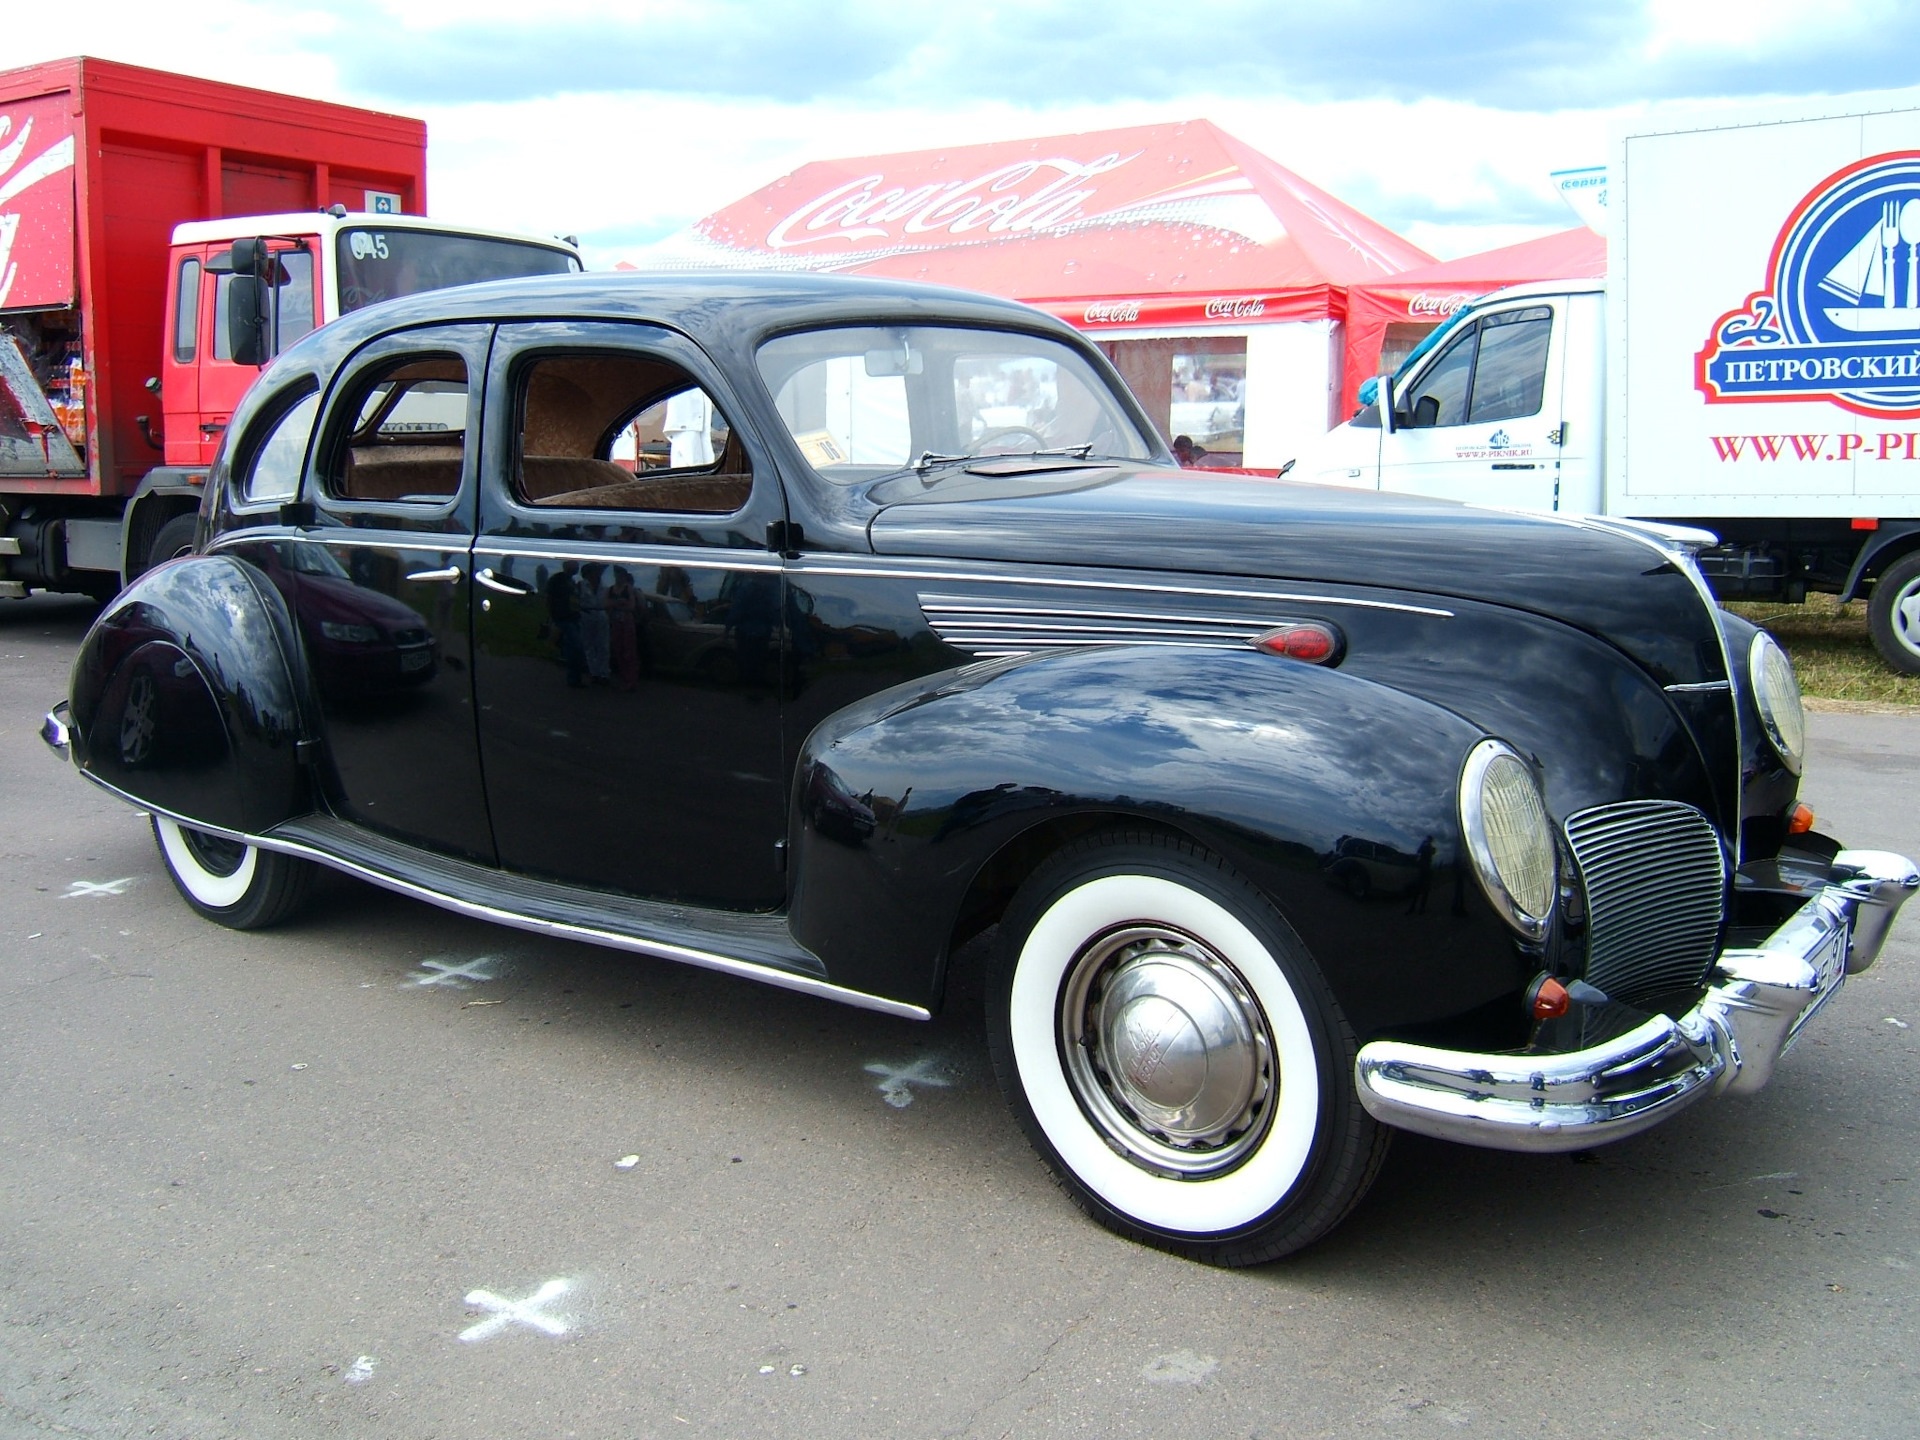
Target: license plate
{"x": 416, "y": 659}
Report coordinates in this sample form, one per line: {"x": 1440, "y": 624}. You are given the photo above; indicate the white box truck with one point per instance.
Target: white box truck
{"x": 1750, "y": 365}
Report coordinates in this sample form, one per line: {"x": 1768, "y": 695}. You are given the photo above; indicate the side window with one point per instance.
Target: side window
{"x": 1440, "y": 395}
{"x": 400, "y": 433}
{"x": 273, "y": 472}
{"x": 1510, "y": 379}
{"x": 295, "y": 294}
{"x": 186, "y": 313}
{"x": 618, "y": 431}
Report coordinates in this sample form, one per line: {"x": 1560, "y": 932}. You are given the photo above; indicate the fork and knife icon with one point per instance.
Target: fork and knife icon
{"x": 1899, "y": 223}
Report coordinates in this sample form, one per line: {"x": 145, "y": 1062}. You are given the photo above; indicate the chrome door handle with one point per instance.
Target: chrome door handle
{"x": 505, "y": 584}
{"x": 452, "y": 572}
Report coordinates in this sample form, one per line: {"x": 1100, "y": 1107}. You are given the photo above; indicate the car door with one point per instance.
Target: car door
{"x": 631, "y": 631}
{"x": 379, "y": 586}
{"x": 1476, "y": 422}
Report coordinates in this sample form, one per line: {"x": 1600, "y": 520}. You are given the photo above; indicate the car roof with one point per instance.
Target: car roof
{"x": 737, "y": 304}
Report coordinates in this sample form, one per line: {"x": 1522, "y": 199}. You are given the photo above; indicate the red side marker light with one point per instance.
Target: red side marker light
{"x": 1547, "y": 999}
{"x": 1309, "y": 640}
{"x": 1866, "y": 522}
{"x": 1800, "y": 820}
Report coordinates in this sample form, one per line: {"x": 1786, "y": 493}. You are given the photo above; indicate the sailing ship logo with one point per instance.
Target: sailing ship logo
{"x": 1841, "y": 319}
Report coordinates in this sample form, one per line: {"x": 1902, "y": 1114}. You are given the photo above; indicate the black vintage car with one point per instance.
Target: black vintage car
{"x": 804, "y": 628}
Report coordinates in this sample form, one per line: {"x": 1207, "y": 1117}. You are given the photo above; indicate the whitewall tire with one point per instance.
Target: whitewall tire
{"x": 1170, "y": 1048}
{"x": 235, "y": 884}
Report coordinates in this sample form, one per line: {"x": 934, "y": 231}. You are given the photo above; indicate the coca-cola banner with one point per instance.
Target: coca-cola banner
{"x": 1133, "y": 220}
{"x": 36, "y": 203}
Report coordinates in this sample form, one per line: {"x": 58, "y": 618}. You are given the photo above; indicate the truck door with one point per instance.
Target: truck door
{"x": 220, "y": 383}
{"x": 1474, "y": 423}
{"x": 180, "y": 357}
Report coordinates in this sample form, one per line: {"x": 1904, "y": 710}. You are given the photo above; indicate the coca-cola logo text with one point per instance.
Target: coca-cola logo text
{"x": 1113, "y": 313}
{"x": 1235, "y": 309}
{"x": 1437, "y": 307}
{"x": 999, "y": 201}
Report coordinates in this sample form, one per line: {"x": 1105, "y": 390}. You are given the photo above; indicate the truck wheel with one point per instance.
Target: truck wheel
{"x": 237, "y": 885}
{"x": 1893, "y": 615}
{"x": 1170, "y": 1048}
{"x": 174, "y": 540}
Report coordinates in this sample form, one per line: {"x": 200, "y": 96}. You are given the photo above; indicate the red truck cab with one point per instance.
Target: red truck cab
{"x": 122, "y": 192}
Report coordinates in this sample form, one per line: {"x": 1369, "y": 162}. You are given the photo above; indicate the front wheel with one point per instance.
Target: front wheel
{"x": 1893, "y": 615}
{"x": 1170, "y": 1048}
{"x": 228, "y": 881}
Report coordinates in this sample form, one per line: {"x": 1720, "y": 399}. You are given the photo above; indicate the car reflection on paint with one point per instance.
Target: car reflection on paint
{"x": 836, "y": 812}
{"x": 362, "y": 642}
{"x": 1366, "y": 867}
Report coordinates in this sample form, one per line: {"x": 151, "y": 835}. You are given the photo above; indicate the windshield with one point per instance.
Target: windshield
{"x": 378, "y": 265}
{"x": 863, "y": 402}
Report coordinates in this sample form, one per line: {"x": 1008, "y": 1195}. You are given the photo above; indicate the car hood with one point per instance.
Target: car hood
{"x": 1591, "y": 574}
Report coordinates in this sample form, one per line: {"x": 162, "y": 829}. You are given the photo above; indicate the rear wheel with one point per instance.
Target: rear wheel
{"x": 1893, "y": 615}
{"x": 1170, "y": 1048}
{"x": 228, "y": 881}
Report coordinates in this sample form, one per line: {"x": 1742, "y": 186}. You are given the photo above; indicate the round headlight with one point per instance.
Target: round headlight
{"x": 1509, "y": 836}
{"x": 1777, "y": 695}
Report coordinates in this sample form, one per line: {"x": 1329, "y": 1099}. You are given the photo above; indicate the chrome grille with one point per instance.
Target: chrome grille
{"x": 1655, "y": 879}
{"x": 987, "y": 627}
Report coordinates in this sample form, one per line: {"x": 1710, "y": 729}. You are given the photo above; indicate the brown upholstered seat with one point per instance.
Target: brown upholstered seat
{"x": 398, "y": 472}
{"x": 704, "y": 494}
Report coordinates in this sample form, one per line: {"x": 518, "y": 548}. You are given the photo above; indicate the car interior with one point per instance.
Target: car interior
{"x": 625, "y": 432}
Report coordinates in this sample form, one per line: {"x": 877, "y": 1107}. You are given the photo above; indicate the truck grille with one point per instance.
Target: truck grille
{"x": 1655, "y": 879}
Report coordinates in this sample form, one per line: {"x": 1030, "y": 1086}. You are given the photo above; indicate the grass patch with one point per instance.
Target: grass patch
{"x": 1831, "y": 650}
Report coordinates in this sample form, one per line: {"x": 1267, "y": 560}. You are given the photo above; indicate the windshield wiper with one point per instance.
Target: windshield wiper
{"x": 929, "y": 458}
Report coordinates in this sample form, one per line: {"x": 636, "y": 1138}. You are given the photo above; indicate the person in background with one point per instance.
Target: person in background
{"x": 596, "y": 638}
{"x": 563, "y": 610}
{"x": 1186, "y": 452}
{"x": 623, "y": 625}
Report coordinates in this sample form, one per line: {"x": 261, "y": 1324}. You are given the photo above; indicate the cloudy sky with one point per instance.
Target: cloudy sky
{"x": 624, "y": 120}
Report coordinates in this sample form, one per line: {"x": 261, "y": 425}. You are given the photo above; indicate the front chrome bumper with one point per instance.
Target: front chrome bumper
{"x": 57, "y": 731}
{"x": 1749, "y": 1017}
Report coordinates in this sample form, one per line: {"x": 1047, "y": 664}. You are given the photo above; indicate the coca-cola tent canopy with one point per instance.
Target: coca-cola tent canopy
{"x": 1149, "y": 226}
{"x": 1424, "y": 297}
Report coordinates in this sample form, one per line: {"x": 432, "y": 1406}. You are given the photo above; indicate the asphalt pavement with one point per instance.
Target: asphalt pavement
{"x": 390, "y": 1172}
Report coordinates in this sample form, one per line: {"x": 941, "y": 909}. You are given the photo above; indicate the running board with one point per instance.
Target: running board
{"x": 755, "y": 947}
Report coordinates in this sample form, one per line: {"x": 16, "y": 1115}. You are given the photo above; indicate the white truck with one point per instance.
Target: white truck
{"x": 1750, "y": 365}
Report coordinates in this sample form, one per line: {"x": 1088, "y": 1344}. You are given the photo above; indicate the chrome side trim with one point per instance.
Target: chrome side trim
{"x": 1699, "y": 688}
{"x": 691, "y": 557}
{"x": 459, "y": 545}
{"x": 613, "y": 939}
{"x": 875, "y": 572}
{"x": 1751, "y": 1014}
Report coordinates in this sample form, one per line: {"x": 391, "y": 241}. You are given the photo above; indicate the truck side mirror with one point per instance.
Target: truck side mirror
{"x": 247, "y": 319}
{"x": 1383, "y": 397}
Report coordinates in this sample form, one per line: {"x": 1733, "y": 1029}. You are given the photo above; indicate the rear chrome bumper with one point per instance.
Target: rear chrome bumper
{"x": 1747, "y": 1020}
{"x": 57, "y": 730}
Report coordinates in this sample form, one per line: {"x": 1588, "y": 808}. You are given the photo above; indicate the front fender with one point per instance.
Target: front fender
{"x": 182, "y": 697}
{"x": 1335, "y": 794}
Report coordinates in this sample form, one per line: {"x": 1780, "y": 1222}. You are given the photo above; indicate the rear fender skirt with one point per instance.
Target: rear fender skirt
{"x": 1335, "y": 794}
{"x": 183, "y": 697}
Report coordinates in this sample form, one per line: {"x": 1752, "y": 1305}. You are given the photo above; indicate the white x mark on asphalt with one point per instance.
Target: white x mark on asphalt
{"x": 441, "y": 972}
{"x": 76, "y": 889}
{"x": 896, "y": 1080}
{"x": 516, "y": 1312}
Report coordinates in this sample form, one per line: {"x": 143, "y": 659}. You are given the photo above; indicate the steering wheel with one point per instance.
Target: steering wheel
{"x": 1039, "y": 440}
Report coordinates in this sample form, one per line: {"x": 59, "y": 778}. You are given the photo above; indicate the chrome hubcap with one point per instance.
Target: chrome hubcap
{"x": 1167, "y": 1050}
{"x": 1906, "y": 616}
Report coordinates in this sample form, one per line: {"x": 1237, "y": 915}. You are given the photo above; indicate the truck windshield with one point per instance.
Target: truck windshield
{"x": 378, "y": 265}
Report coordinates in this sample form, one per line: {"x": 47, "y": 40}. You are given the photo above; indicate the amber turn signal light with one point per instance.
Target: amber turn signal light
{"x": 1547, "y": 998}
{"x": 1800, "y": 820}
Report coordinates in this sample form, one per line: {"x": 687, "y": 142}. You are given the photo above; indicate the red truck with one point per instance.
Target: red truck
{"x": 130, "y": 319}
